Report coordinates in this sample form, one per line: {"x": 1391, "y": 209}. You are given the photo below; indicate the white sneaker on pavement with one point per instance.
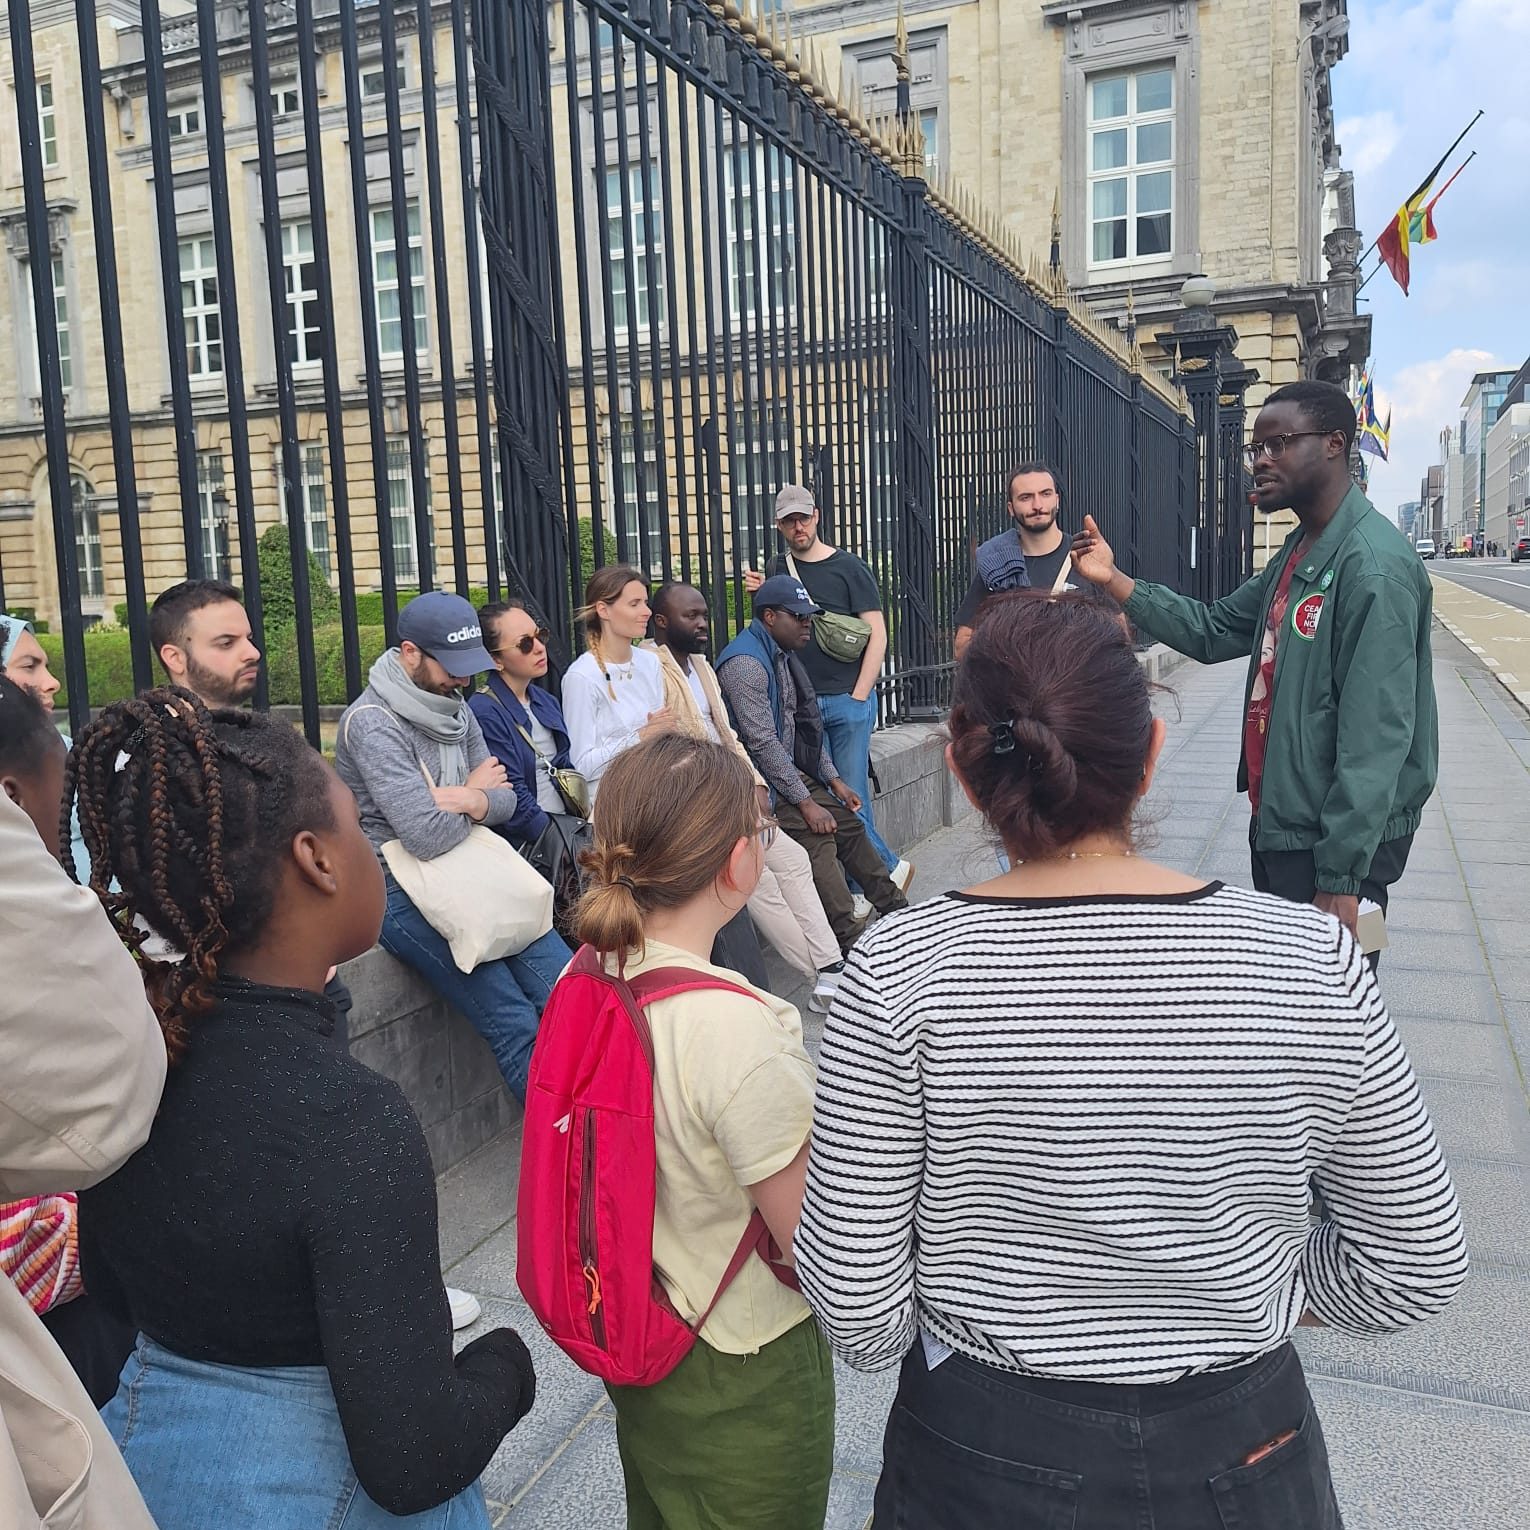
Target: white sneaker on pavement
{"x": 465, "y": 1308}
{"x": 861, "y": 906}
{"x": 902, "y": 874}
{"x": 825, "y": 986}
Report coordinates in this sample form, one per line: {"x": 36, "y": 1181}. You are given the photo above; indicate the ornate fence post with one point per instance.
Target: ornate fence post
{"x": 916, "y": 643}
{"x": 520, "y": 218}
{"x": 1206, "y": 366}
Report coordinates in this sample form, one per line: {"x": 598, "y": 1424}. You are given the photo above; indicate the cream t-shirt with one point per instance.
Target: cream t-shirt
{"x": 733, "y": 1104}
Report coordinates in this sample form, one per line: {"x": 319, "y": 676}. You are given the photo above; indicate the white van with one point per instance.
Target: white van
{"x": 1425, "y": 547}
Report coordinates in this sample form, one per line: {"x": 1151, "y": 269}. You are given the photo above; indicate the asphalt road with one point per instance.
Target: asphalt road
{"x": 1496, "y": 578}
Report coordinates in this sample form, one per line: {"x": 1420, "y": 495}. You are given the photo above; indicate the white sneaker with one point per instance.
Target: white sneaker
{"x": 825, "y": 986}
{"x": 901, "y": 875}
{"x": 465, "y": 1308}
{"x": 861, "y": 906}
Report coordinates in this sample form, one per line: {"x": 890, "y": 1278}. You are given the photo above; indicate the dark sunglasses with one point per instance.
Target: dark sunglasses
{"x": 526, "y": 644}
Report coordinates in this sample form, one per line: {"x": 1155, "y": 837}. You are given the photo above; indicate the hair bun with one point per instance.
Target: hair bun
{"x": 1053, "y": 772}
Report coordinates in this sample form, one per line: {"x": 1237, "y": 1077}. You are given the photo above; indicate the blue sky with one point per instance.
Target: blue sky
{"x": 1416, "y": 72}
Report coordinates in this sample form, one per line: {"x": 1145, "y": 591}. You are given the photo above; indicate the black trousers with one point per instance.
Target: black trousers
{"x": 969, "y": 1447}
{"x": 1292, "y": 874}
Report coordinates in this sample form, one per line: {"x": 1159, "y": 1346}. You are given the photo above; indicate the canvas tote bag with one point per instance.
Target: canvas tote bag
{"x": 482, "y": 897}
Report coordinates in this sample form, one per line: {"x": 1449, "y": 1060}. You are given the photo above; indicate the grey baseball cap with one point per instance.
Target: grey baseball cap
{"x": 794, "y": 500}
{"x": 446, "y": 627}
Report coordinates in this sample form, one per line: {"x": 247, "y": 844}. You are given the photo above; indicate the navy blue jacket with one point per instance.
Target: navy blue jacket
{"x": 497, "y": 714}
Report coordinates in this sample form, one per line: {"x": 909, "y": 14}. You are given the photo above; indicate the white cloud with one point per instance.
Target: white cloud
{"x": 1424, "y": 398}
{"x": 1368, "y": 140}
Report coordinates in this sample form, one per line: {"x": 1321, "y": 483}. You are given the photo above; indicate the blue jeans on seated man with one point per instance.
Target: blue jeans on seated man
{"x": 504, "y": 999}
{"x": 849, "y": 724}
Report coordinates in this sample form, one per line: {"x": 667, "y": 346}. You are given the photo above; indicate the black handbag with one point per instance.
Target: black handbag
{"x": 554, "y": 855}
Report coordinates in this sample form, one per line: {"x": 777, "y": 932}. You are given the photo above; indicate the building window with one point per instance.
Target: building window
{"x": 881, "y": 480}
{"x": 304, "y": 315}
{"x": 87, "y": 538}
{"x": 643, "y": 241}
{"x": 374, "y": 77}
{"x": 316, "y": 508}
{"x": 406, "y": 548}
{"x": 60, "y": 288}
{"x": 761, "y": 216}
{"x": 183, "y": 118}
{"x": 385, "y": 278}
{"x": 1131, "y": 166}
{"x": 199, "y": 307}
{"x": 873, "y": 67}
{"x": 286, "y": 98}
{"x": 212, "y": 506}
{"x": 47, "y": 124}
{"x": 641, "y": 539}
{"x": 759, "y": 462}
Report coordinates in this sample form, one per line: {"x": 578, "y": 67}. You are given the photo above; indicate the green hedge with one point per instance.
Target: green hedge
{"x": 108, "y": 664}
{"x": 329, "y": 663}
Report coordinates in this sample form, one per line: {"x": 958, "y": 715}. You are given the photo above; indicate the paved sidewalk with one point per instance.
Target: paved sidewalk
{"x": 1429, "y": 1429}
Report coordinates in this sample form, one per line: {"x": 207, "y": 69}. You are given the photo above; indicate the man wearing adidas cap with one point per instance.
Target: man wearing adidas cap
{"x": 413, "y": 713}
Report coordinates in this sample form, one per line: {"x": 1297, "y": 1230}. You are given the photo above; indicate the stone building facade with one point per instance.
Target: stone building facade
{"x": 1147, "y": 139}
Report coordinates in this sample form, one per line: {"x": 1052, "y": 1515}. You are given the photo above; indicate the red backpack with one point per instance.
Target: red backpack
{"x": 588, "y": 1178}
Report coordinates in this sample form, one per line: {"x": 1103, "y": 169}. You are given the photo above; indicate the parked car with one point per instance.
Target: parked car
{"x": 1519, "y": 548}
{"x": 1425, "y": 547}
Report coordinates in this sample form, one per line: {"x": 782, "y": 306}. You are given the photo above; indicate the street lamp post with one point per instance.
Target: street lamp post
{"x": 1204, "y": 355}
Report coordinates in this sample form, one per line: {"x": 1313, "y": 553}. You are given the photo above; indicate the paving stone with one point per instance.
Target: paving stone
{"x": 1474, "y": 1118}
{"x": 1449, "y": 1049}
{"x": 1416, "y": 950}
{"x": 1512, "y": 974}
{"x": 1443, "y": 994}
{"x": 1402, "y": 1461}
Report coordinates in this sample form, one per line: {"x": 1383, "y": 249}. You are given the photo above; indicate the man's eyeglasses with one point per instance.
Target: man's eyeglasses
{"x": 526, "y": 644}
{"x": 1274, "y": 447}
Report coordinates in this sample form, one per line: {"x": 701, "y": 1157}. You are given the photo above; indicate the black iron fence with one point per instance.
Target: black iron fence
{"x": 486, "y": 299}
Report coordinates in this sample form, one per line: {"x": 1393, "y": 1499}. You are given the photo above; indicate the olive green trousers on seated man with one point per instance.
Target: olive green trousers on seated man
{"x": 848, "y": 847}
{"x": 745, "y": 1441}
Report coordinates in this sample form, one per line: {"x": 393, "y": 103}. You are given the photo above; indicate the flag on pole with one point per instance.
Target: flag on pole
{"x": 1370, "y": 434}
{"x": 1414, "y": 225}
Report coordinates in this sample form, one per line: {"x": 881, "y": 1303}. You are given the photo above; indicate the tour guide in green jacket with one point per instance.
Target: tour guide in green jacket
{"x": 1341, "y": 743}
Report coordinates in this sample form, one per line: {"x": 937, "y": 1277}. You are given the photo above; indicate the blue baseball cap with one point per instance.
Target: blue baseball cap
{"x": 446, "y": 627}
{"x": 784, "y": 593}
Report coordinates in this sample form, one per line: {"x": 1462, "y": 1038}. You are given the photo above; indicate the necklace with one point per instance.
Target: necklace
{"x": 1078, "y": 855}
{"x": 624, "y": 671}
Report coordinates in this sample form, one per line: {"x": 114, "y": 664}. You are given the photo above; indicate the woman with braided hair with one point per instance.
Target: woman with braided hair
{"x": 275, "y": 1241}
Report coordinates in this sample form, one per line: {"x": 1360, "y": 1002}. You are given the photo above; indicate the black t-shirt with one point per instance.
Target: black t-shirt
{"x": 841, "y": 582}
{"x": 1041, "y": 569}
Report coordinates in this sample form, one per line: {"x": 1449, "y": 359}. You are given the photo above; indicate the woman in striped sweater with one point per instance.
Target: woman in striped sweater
{"x": 1065, "y": 1129}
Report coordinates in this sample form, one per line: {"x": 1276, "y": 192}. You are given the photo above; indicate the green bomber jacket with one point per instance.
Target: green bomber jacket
{"x": 1352, "y": 752}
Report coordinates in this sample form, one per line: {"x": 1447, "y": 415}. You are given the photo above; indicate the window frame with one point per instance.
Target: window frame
{"x": 1131, "y": 122}
{"x": 648, "y": 254}
{"x": 1102, "y": 39}
{"x": 194, "y": 315}
{"x": 415, "y": 243}
{"x": 401, "y": 507}
{"x": 645, "y": 509}
{"x": 47, "y": 123}
{"x": 316, "y": 514}
{"x": 85, "y": 522}
{"x": 375, "y": 64}
{"x": 178, "y": 108}
{"x": 928, "y": 92}
{"x": 299, "y": 301}
{"x": 213, "y": 524}
{"x": 283, "y": 86}
{"x": 771, "y": 201}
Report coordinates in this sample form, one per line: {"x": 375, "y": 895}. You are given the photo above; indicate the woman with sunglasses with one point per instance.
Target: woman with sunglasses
{"x": 522, "y": 721}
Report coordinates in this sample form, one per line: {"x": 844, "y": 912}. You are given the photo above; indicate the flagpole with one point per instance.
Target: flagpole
{"x": 1435, "y": 198}
{"x": 1424, "y": 186}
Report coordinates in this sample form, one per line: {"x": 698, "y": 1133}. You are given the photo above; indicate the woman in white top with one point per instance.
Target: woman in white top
{"x": 1065, "y": 1129}
{"x": 741, "y": 1433}
{"x": 613, "y": 693}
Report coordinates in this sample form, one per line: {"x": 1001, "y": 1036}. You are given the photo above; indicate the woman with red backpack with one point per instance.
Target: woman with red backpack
{"x": 665, "y": 1149}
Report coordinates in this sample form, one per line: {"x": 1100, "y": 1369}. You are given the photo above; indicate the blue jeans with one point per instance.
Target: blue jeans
{"x": 503, "y": 999}
{"x": 849, "y": 724}
{"x": 258, "y": 1449}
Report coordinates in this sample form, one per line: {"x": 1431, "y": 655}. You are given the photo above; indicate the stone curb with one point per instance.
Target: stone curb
{"x": 1518, "y": 689}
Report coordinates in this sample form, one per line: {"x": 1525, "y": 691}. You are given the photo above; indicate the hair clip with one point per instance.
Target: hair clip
{"x": 1003, "y": 737}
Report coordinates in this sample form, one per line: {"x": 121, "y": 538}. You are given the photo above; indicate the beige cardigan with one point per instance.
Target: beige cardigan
{"x": 680, "y": 699}
{"x": 82, "y": 1063}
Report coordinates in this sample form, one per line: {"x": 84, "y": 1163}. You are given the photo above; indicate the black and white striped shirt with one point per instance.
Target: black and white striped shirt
{"x": 1075, "y": 1138}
